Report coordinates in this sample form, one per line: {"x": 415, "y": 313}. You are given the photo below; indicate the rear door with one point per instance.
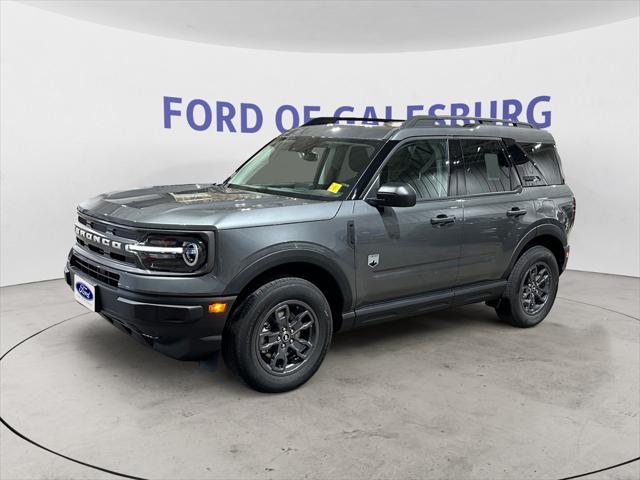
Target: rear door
{"x": 496, "y": 213}
{"x": 405, "y": 251}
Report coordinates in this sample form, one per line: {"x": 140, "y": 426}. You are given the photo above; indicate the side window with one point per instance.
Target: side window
{"x": 422, "y": 164}
{"x": 543, "y": 166}
{"x": 486, "y": 167}
{"x": 528, "y": 173}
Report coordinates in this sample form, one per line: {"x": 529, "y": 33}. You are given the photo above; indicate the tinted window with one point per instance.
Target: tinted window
{"x": 542, "y": 167}
{"x": 423, "y": 165}
{"x": 356, "y": 158}
{"x": 486, "y": 167}
{"x": 308, "y": 166}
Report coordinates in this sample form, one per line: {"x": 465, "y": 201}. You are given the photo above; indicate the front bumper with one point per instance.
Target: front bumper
{"x": 181, "y": 327}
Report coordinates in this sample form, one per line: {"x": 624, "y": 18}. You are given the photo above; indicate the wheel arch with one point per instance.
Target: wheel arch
{"x": 312, "y": 264}
{"x": 549, "y": 235}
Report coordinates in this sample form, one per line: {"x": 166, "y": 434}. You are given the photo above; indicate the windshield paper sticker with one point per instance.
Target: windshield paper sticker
{"x": 335, "y": 187}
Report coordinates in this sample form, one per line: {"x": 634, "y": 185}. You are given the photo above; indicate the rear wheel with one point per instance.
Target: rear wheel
{"x": 531, "y": 288}
{"x": 279, "y": 335}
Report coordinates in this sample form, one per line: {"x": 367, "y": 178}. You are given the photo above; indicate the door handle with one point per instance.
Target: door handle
{"x": 442, "y": 219}
{"x": 516, "y": 212}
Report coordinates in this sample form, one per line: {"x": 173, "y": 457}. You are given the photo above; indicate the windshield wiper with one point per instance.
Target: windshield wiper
{"x": 251, "y": 188}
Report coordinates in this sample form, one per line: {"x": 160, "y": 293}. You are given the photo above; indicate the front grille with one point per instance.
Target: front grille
{"x": 117, "y": 230}
{"x": 94, "y": 271}
{"x": 109, "y": 231}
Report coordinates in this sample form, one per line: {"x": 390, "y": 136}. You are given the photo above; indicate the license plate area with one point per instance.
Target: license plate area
{"x": 84, "y": 291}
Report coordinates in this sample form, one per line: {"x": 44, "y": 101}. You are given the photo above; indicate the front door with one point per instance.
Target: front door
{"x": 405, "y": 251}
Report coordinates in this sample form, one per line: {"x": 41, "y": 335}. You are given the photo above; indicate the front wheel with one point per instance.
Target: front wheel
{"x": 279, "y": 335}
{"x": 531, "y": 288}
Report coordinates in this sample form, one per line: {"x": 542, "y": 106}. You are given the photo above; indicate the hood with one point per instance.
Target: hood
{"x": 204, "y": 206}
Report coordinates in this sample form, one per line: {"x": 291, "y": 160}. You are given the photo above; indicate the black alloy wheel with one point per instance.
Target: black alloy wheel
{"x": 287, "y": 338}
{"x": 531, "y": 288}
{"x": 534, "y": 291}
{"x": 279, "y": 335}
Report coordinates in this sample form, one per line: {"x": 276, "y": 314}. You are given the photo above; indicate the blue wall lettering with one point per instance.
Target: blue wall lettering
{"x": 225, "y": 112}
{"x": 509, "y": 113}
{"x": 344, "y": 111}
{"x": 292, "y": 113}
{"x": 245, "y": 108}
{"x": 412, "y": 109}
{"x": 459, "y": 110}
{"x": 308, "y": 110}
{"x": 206, "y": 109}
{"x": 168, "y": 112}
{"x": 369, "y": 112}
{"x": 246, "y": 117}
{"x": 546, "y": 114}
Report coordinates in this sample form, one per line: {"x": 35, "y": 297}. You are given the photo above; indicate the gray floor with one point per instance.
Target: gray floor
{"x": 450, "y": 395}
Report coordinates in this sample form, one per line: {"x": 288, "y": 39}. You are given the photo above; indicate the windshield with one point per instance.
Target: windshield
{"x": 317, "y": 167}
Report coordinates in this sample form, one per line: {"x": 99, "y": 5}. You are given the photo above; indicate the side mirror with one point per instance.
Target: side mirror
{"x": 394, "y": 195}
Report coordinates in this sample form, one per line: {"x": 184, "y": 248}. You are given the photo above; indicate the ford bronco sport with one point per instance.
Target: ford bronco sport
{"x": 337, "y": 224}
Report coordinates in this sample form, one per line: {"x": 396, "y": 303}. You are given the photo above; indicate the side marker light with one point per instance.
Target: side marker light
{"x": 217, "y": 307}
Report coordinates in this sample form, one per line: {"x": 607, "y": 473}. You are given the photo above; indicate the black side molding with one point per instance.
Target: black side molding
{"x": 478, "y": 292}
{"x": 403, "y": 307}
{"x": 428, "y": 302}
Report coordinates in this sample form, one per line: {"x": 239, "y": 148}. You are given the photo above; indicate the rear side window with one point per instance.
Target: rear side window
{"x": 542, "y": 165}
{"x": 486, "y": 168}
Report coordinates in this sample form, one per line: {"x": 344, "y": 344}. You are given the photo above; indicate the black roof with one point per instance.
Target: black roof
{"x": 391, "y": 129}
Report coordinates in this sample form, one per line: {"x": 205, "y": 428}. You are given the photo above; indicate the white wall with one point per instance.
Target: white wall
{"x": 81, "y": 113}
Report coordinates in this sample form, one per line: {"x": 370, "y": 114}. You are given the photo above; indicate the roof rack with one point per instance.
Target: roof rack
{"x": 329, "y": 120}
{"x": 431, "y": 121}
{"x": 419, "y": 121}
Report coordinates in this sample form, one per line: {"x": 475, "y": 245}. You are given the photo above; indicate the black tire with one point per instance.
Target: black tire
{"x": 251, "y": 350}
{"x": 525, "y": 302}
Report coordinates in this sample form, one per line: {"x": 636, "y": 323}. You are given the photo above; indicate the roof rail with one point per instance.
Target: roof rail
{"x": 329, "y": 120}
{"x": 431, "y": 121}
{"x": 418, "y": 121}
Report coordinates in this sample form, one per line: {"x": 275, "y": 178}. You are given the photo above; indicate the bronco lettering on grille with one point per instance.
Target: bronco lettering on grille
{"x": 103, "y": 241}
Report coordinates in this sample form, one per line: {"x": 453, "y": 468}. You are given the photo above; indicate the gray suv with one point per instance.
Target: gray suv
{"x": 338, "y": 224}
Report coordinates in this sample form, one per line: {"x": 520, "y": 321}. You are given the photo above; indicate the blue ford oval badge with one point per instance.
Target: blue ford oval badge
{"x": 84, "y": 291}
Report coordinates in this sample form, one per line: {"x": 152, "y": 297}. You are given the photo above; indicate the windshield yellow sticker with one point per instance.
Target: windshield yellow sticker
{"x": 335, "y": 187}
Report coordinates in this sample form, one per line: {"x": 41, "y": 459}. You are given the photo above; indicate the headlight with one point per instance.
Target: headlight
{"x": 170, "y": 253}
{"x": 192, "y": 253}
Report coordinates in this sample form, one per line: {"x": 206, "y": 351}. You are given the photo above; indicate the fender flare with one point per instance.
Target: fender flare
{"x": 545, "y": 227}
{"x": 296, "y": 252}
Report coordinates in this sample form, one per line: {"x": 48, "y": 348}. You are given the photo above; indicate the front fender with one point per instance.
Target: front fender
{"x": 297, "y": 252}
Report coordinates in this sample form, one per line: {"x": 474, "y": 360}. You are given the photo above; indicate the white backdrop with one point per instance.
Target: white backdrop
{"x": 82, "y": 113}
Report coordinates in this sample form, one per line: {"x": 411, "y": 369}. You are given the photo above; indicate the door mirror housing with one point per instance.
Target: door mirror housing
{"x": 394, "y": 195}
